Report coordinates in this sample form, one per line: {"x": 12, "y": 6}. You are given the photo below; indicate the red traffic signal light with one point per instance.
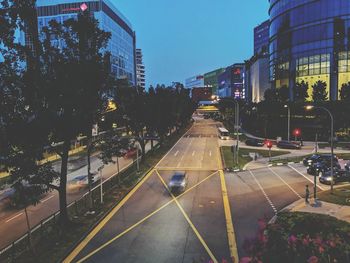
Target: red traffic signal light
{"x": 268, "y": 144}
{"x": 297, "y": 132}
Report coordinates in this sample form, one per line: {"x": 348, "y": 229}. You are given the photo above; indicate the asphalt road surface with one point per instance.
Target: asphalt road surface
{"x": 12, "y": 221}
{"x": 212, "y": 220}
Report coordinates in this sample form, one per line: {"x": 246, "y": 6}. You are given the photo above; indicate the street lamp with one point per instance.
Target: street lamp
{"x": 311, "y": 107}
{"x": 237, "y": 129}
{"x": 101, "y": 181}
{"x": 287, "y": 107}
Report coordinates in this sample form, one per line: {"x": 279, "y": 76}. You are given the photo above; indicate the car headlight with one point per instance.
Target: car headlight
{"x": 183, "y": 184}
{"x": 171, "y": 184}
{"x": 329, "y": 179}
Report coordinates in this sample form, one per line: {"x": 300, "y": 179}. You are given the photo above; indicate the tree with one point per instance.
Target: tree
{"x": 271, "y": 95}
{"x": 345, "y": 92}
{"x": 75, "y": 87}
{"x": 319, "y": 92}
{"x": 283, "y": 94}
{"x": 301, "y": 91}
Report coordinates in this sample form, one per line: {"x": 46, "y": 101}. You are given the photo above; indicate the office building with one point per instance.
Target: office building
{"x": 231, "y": 82}
{"x": 122, "y": 41}
{"x": 140, "y": 70}
{"x": 310, "y": 41}
{"x": 201, "y": 94}
{"x": 261, "y": 37}
{"x": 257, "y": 77}
{"x": 211, "y": 79}
{"x": 194, "y": 82}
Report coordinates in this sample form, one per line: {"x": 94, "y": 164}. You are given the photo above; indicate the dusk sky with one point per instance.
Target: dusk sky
{"x": 183, "y": 38}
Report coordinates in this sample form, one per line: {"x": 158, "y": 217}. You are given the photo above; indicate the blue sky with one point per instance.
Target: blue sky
{"x": 182, "y": 38}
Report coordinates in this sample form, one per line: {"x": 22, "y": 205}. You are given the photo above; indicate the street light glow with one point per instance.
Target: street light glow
{"x": 309, "y": 107}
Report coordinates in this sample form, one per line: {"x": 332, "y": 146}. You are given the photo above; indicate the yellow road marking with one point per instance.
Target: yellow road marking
{"x": 93, "y": 233}
{"x": 189, "y": 221}
{"x": 229, "y": 225}
{"x": 183, "y": 169}
{"x": 138, "y": 223}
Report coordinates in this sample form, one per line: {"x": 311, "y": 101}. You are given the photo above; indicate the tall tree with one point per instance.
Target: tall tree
{"x": 283, "y": 94}
{"x": 345, "y": 92}
{"x": 76, "y": 75}
{"x": 301, "y": 91}
{"x": 319, "y": 91}
{"x": 271, "y": 95}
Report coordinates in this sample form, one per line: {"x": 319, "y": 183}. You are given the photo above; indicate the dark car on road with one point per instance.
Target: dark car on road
{"x": 178, "y": 182}
{"x": 322, "y": 167}
{"x": 339, "y": 176}
{"x": 288, "y": 145}
{"x": 254, "y": 142}
{"x": 316, "y": 158}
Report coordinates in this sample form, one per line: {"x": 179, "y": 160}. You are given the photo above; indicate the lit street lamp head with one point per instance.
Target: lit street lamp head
{"x": 309, "y": 107}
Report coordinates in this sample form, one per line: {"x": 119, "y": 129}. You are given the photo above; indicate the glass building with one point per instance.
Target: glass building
{"x": 310, "y": 41}
{"x": 122, "y": 42}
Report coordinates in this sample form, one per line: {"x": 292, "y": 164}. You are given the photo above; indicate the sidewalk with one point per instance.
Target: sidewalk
{"x": 337, "y": 211}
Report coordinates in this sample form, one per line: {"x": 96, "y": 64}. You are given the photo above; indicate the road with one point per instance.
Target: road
{"x": 12, "y": 221}
{"x": 212, "y": 220}
{"x": 154, "y": 226}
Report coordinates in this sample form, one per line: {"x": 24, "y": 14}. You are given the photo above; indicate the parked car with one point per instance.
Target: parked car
{"x": 347, "y": 167}
{"x": 322, "y": 167}
{"x": 254, "y": 142}
{"x": 178, "y": 182}
{"x": 131, "y": 153}
{"x": 315, "y": 158}
{"x": 339, "y": 176}
{"x": 288, "y": 145}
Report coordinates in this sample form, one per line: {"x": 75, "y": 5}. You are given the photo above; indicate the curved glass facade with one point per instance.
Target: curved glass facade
{"x": 310, "y": 41}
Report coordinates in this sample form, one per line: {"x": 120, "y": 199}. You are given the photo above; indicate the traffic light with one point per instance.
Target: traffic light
{"x": 297, "y": 132}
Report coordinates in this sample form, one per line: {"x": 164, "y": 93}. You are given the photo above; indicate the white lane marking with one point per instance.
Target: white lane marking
{"x": 194, "y": 152}
{"x": 263, "y": 191}
{"x": 291, "y": 188}
{"x": 209, "y": 153}
{"x": 173, "y": 146}
{"x": 306, "y": 177}
{"x": 182, "y": 157}
{"x": 47, "y": 199}
{"x": 177, "y": 152}
{"x": 14, "y": 217}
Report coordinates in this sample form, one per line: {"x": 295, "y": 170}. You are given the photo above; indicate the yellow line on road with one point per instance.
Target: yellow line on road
{"x": 189, "y": 221}
{"x": 183, "y": 169}
{"x": 229, "y": 225}
{"x": 93, "y": 233}
{"x": 138, "y": 223}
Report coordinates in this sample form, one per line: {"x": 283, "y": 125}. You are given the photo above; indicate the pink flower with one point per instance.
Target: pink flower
{"x": 245, "y": 260}
{"x": 332, "y": 243}
{"x": 320, "y": 249}
{"x": 306, "y": 241}
{"x": 292, "y": 239}
{"x": 313, "y": 259}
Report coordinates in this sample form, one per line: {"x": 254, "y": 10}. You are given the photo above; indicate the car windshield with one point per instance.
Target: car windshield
{"x": 178, "y": 177}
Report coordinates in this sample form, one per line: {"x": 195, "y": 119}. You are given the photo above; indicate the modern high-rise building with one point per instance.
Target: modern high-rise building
{"x": 211, "y": 79}
{"x": 140, "y": 69}
{"x": 261, "y": 37}
{"x": 194, "y": 82}
{"x": 122, "y": 42}
{"x": 310, "y": 41}
{"x": 231, "y": 82}
{"x": 257, "y": 77}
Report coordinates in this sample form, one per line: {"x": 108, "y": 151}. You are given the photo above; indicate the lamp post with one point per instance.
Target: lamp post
{"x": 237, "y": 129}
{"x": 101, "y": 181}
{"x": 310, "y": 107}
{"x": 286, "y": 106}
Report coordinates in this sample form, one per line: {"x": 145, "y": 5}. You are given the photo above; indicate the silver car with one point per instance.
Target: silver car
{"x": 178, "y": 182}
